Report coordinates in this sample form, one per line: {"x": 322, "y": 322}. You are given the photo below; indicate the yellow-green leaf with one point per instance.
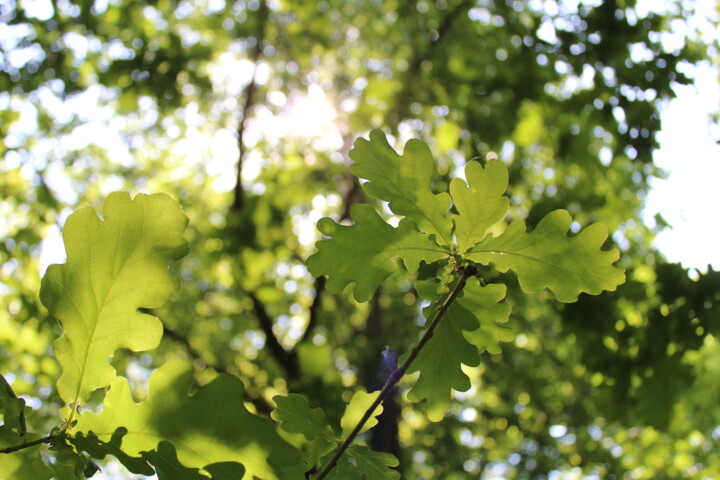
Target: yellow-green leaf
{"x": 211, "y": 427}
{"x": 480, "y": 203}
{"x": 115, "y": 267}
{"x": 359, "y": 404}
{"x": 548, "y": 258}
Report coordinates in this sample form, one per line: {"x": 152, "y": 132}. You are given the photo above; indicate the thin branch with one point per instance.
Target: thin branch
{"x": 450, "y": 18}
{"x": 288, "y": 360}
{"x": 250, "y": 91}
{"x": 353, "y": 195}
{"x": 393, "y": 379}
{"x": 418, "y": 57}
{"x": 260, "y": 403}
{"x": 25, "y": 445}
{"x": 314, "y": 308}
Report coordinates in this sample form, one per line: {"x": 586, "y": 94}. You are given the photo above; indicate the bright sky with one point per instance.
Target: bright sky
{"x": 690, "y": 196}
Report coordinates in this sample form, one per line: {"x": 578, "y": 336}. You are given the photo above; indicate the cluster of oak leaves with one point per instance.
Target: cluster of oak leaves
{"x": 117, "y": 268}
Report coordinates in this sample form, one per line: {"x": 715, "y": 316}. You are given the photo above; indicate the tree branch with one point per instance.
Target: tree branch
{"x": 353, "y": 195}
{"x": 288, "y": 360}
{"x": 25, "y": 445}
{"x": 450, "y": 18}
{"x": 239, "y": 198}
{"x": 314, "y": 308}
{"x": 260, "y": 403}
{"x": 418, "y": 57}
{"x": 393, "y": 379}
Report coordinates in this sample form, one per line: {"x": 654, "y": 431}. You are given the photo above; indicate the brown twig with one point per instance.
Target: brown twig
{"x": 314, "y": 311}
{"x": 393, "y": 379}
{"x": 352, "y": 196}
{"x": 418, "y": 57}
{"x": 25, "y": 445}
{"x": 450, "y": 18}
{"x": 288, "y": 360}
{"x": 260, "y": 403}
{"x": 250, "y": 92}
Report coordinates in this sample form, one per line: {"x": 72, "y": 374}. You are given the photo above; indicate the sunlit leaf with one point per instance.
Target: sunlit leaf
{"x": 163, "y": 459}
{"x": 359, "y": 404}
{"x": 404, "y": 182}
{"x": 96, "y": 448}
{"x": 167, "y": 466}
{"x": 480, "y": 203}
{"x": 210, "y": 427}
{"x": 548, "y": 258}
{"x": 114, "y": 267}
{"x": 364, "y": 253}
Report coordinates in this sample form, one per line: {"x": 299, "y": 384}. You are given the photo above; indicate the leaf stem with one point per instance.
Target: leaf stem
{"x": 466, "y": 272}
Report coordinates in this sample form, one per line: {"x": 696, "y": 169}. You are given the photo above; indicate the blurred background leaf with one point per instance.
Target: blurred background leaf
{"x": 176, "y": 97}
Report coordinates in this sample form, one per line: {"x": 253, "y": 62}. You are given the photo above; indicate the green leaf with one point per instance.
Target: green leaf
{"x": 439, "y": 362}
{"x": 22, "y": 464}
{"x": 547, "y": 258}
{"x": 480, "y": 203}
{"x": 164, "y": 459}
{"x": 374, "y": 465}
{"x": 115, "y": 267}
{"x": 361, "y": 463}
{"x": 13, "y": 409}
{"x": 25, "y": 463}
{"x": 168, "y": 467}
{"x": 344, "y": 469}
{"x": 295, "y": 416}
{"x": 364, "y": 253}
{"x": 96, "y": 448}
{"x": 224, "y": 471}
{"x": 404, "y": 182}
{"x": 69, "y": 462}
{"x": 62, "y": 471}
{"x": 482, "y": 303}
{"x": 357, "y": 407}
{"x": 209, "y": 428}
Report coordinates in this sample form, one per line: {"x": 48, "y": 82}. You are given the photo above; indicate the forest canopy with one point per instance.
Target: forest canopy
{"x": 264, "y": 137}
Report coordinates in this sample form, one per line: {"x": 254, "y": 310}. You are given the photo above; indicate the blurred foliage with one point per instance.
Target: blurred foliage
{"x": 150, "y": 96}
